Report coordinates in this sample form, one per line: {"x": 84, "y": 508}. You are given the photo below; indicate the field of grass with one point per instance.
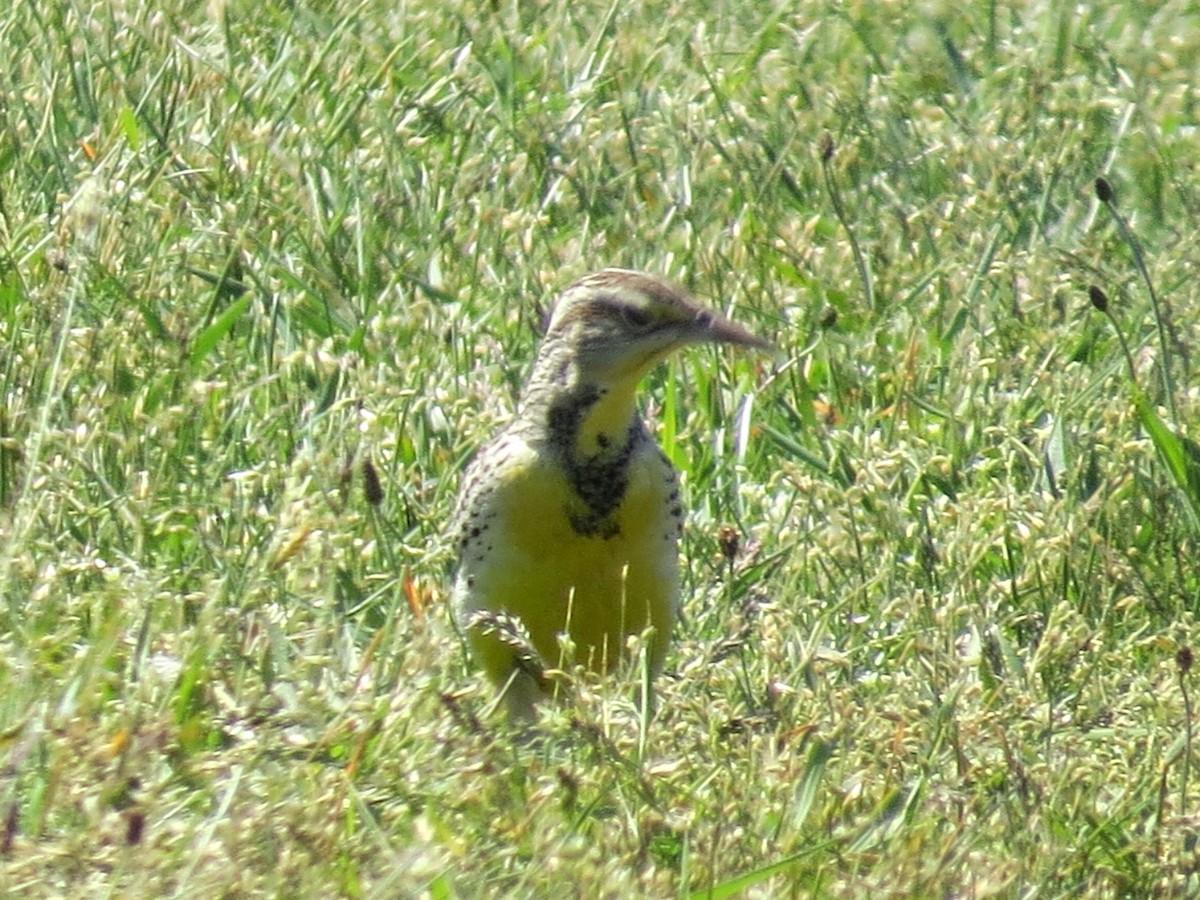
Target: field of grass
{"x": 270, "y": 272}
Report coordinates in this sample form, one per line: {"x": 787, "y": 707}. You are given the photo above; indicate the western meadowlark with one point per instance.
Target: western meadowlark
{"x": 568, "y": 521}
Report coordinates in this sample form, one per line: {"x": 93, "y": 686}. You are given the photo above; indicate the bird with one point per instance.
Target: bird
{"x": 567, "y": 522}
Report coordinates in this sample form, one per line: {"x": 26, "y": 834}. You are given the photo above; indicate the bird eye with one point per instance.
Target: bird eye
{"x": 635, "y": 317}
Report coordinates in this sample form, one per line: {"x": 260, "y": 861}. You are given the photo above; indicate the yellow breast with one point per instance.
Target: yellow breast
{"x": 529, "y": 562}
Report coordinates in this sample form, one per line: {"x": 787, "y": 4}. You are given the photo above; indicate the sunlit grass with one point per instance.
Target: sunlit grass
{"x": 250, "y": 255}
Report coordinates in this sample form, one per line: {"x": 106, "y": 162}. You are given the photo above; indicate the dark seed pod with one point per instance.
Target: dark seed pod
{"x": 826, "y": 147}
{"x": 729, "y": 541}
{"x": 135, "y": 827}
{"x": 1184, "y": 659}
{"x": 372, "y": 489}
{"x": 1104, "y": 191}
{"x": 1098, "y": 297}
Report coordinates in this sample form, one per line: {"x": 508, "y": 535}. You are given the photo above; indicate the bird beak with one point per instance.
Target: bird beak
{"x": 709, "y": 326}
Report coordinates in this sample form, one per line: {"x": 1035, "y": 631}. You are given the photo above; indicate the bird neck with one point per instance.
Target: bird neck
{"x": 605, "y": 425}
{"x": 587, "y": 420}
{"x": 593, "y": 429}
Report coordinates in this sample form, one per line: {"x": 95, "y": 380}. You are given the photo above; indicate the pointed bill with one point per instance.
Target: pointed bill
{"x": 711, "y": 326}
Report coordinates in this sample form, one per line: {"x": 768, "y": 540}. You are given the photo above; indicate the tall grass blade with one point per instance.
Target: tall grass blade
{"x": 206, "y": 341}
{"x": 1179, "y": 454}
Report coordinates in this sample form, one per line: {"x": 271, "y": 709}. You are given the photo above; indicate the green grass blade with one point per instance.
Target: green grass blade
{"x": 206, "y": 341}
{"x": 1180, "y": 455}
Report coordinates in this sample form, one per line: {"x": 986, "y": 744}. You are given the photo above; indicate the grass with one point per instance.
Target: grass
{"x": 269, "y": 273}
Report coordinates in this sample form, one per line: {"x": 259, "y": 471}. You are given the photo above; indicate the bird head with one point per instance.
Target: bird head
{"x": 617, "y": 324}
